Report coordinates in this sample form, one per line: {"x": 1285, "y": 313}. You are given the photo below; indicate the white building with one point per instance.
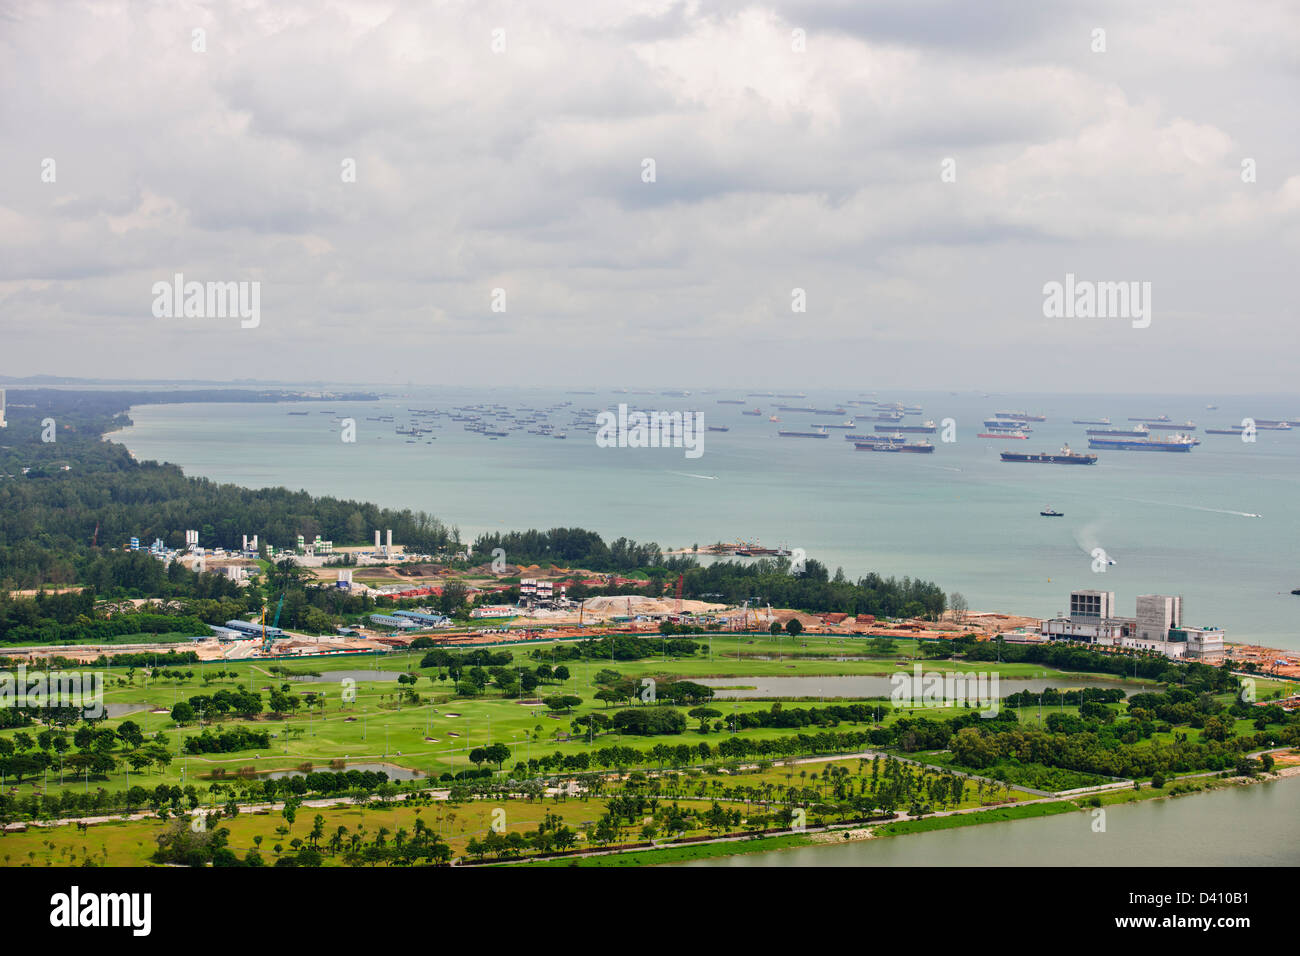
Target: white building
{"x": 1157, "y": 628}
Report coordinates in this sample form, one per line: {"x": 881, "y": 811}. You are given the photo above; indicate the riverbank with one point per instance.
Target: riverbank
{"x": 723, "y": 849}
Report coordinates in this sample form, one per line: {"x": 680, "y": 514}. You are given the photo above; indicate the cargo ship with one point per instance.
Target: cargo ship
{"x": 1174, "y": 426}
{"x": 1137, "y": 431}
{"x": 1020, "y": 416}
{"x": 752, "y": 411}
{"x": 1091, "y": 421}
{"x": 804, "y": 434}
{"x": 1172, "y": 443}
{"x": 730, "y": 401}
{"x": 1063, "y": 457}
{"x": 1006, "y": 424}
{"x": 1052, "y": 513}
{"x": 1266, "y": 424}
{"x": 1230, "y": 430}
{"x": 1162, "y": 418}
{"x": 719, "y": 428}
{"x": 796, "y": 408}
{"x": 1004, "y": 434}
{"x": 850, "y": 423}
{"x": 925, "y": 428}
{"x": 920, "y": 447}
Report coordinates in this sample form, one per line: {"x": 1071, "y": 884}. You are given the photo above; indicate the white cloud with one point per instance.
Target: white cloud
{"x": 522, "y": 169}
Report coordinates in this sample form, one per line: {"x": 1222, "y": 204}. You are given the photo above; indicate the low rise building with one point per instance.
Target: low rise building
{"x": 1157, "y": 627}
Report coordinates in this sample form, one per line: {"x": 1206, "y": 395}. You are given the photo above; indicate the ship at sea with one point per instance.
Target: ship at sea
{"x": 1063, "y": 457}
{"x": 1172, "y": 443}
{"x": 1091, "y": 421}
{"x": 1159, "y": 418}
{"x": 1187, "y": 426}
{"x": 1275, "y": 424}
{"x": 926, "y": 428}
{"x": 804, "y": 434}
{"x": 719, "y": 428}
{"x": 1137, "y": 431}
{"x": 752, "y": 411}
{"x": 1020, "y": 416}
{"x": 919, "y": 447}
{"x": 1006, "y": 425}
{"x": 1001, "y": 433}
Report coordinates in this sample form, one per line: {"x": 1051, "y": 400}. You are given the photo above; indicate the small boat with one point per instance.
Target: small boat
{"x": 1052, "y": 513}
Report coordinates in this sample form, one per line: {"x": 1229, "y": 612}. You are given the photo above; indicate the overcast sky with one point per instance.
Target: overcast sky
{"x": 522, "y": 168}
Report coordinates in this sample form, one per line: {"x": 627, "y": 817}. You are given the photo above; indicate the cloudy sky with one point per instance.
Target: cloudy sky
{"x": 795, "y": 145}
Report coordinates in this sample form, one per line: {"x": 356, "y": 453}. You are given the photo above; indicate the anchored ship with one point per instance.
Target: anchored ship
{"x": 919, "y": 447}
{"x": 1137, "y": 431}
{"x": 1172, "y": 443}
{"x": 926, "y": 428}
{"x": 1063, "y": 457}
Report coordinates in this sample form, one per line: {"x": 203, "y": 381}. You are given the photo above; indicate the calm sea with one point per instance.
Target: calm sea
{"x": 1172, "y": 523}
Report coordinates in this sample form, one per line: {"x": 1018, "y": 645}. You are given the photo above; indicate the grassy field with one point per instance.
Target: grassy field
{"x": 997, "y": 815}
{"x": 433, "y": 737}
{"x": 747, "y": 792}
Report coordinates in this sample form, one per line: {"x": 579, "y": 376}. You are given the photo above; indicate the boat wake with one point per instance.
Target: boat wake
{"x": 1217, "y": 511}
{"x": 1088, "y": 542}
{"x": 687, "y": 474}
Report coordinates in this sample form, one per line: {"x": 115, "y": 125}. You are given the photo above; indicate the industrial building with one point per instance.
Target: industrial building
{"x": 391, "y": 620}
{"x": 1157, "y": 627}
{"x": 253, "y": 629}
{"x": 423, "y": 618}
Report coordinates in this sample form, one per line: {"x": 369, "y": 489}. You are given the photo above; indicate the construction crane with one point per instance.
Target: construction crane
{"x": 266, "y": 640}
